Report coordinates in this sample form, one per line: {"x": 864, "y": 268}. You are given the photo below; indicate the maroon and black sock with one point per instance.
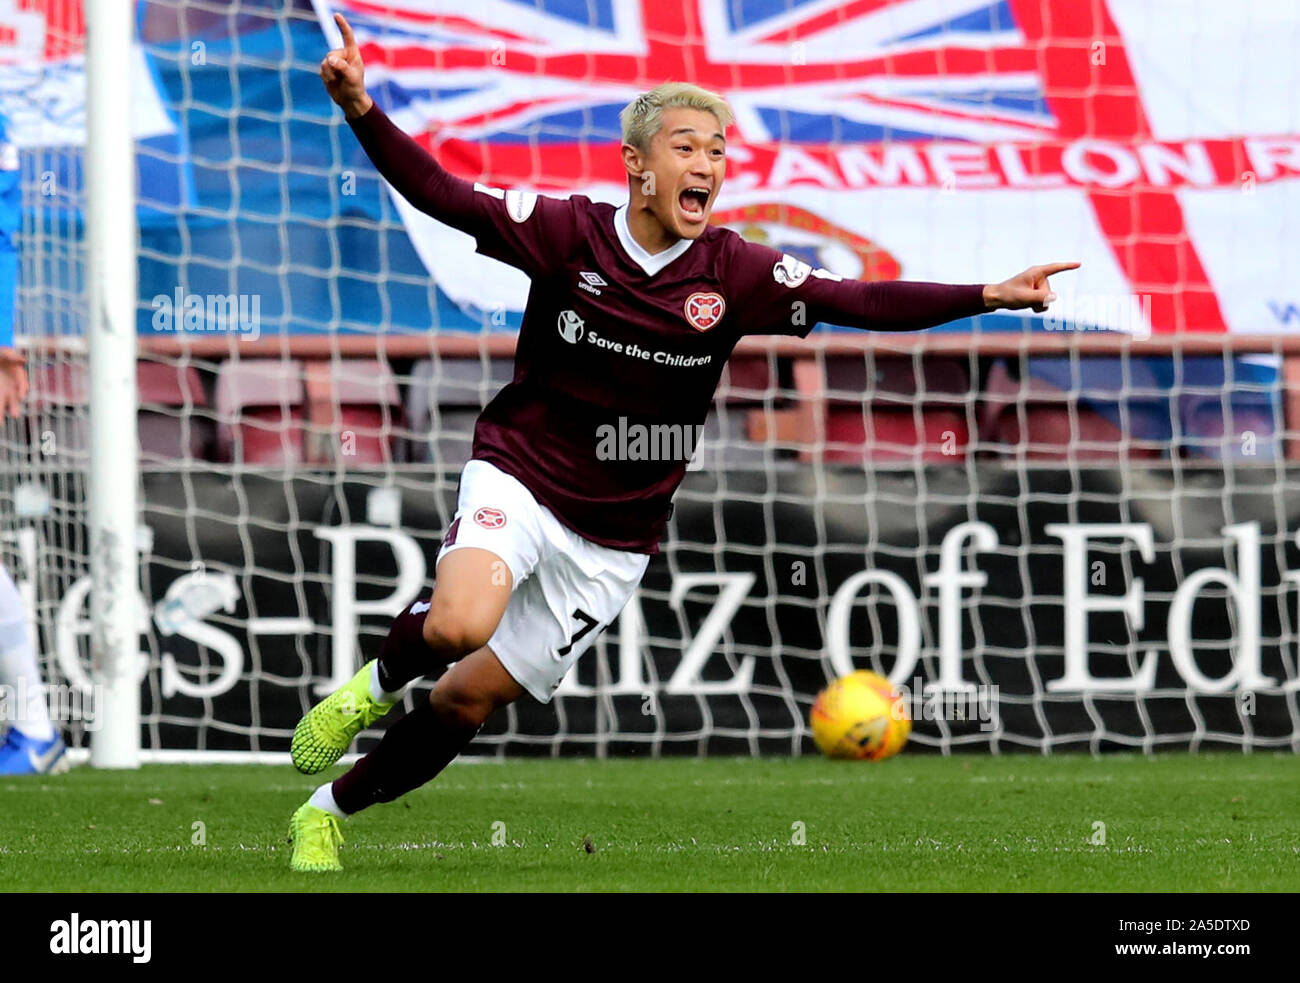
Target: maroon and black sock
{"x": 413, "y": 751}
{"x": 405, "y": 655}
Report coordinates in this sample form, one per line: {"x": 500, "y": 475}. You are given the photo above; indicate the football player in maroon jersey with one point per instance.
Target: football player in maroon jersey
{"x": 631, "y": 316}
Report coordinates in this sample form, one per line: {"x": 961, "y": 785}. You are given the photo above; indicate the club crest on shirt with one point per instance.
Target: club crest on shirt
{"x": 704, "y": 310}
{"x": 490, "y": 518}
{"x": 790, "y": 271}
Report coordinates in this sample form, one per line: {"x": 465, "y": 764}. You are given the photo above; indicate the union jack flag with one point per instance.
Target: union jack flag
{"x": 43, "y": 95}
{"x": 558, "y": 72}
{"x": 528, "y": 92}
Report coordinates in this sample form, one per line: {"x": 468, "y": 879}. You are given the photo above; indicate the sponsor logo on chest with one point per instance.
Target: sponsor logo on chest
{"x": 574, "y": 330}
{"x": 571, "y": 326}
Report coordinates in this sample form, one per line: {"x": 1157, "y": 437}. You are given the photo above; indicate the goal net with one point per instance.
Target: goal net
{"x": 1066, "y": 531}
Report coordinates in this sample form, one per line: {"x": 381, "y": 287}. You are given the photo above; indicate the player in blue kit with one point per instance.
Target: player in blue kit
{"x": 631, "y": 317}
{"x": 31, "y": 745}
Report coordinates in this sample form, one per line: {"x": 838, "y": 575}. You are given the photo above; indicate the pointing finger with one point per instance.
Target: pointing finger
{"x": 1050, "y": 268}
{"x": 349, "y": 39}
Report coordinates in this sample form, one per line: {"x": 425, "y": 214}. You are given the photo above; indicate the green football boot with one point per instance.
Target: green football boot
{"x": 331, "y": 725}
{"x": 316, "y": 839}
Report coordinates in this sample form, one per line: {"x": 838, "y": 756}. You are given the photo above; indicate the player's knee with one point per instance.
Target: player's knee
{"x": 460, "y": 707}
{"x": 451, "y": 633}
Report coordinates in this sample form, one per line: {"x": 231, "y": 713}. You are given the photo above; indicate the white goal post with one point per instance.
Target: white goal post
{"x": 111, "y": 257}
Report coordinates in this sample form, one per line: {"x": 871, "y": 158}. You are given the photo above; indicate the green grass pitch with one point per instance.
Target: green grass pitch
{"x": 1174, "y": 822}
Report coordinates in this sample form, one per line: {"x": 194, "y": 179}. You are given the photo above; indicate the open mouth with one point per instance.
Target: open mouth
{"x": 694, "y": 202}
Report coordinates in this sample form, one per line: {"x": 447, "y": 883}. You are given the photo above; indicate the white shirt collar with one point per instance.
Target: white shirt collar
{"x": 652, "y": 264}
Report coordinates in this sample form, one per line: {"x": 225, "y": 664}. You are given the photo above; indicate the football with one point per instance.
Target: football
{"x": 860, "y": 716}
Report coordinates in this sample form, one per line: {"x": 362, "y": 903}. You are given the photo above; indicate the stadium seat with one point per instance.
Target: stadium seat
{"x": 260, "y": 412}
{"x": 168, "y": 393}
{"x": 1055, "y": 432}
{"x": 353, "y": 407}
{"x": 58, "y": 410}
{"x": 896, "y": 409}
{"x": 748, "y": 393}
{"x": 747, "y": 380}
{"x": 727, "y": 442}
{"x": 1237, "y": 426}
{"x": 443, "y": 403}
{"x": 891, "y": 433}
{"x": 1227, "y": 407}
{"x": 169, "y": 428}
{"x": 899, "y": 380}
{"x": 1103, "y": 412}
{"x": 61, "y": 384}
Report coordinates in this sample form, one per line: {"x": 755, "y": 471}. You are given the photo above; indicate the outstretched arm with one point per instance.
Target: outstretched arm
{"x": 415, "y": 174}
{"x": 525, "y": 230}
{"x": 900, "y": 305}
{"x": 906, "y": 305}
{"x": 779, "y": 294}
{"x": 1028, "y": 289}
{"x": 407, "y": 166}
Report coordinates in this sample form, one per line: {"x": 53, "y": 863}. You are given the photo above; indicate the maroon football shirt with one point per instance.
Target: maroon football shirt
{"x": 620, "y": 351}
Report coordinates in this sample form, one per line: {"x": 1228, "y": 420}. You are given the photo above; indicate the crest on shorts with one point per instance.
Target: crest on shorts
{"x": 490, "y": 518}
{"x": 704, "y": 310}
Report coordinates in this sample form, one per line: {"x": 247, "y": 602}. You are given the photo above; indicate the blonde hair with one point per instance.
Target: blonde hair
{"x": 643, "y": 116}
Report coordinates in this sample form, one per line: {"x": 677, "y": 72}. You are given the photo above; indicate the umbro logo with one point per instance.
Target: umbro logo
{"x": 591, "y": 282}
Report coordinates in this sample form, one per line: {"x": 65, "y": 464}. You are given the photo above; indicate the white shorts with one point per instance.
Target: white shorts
{"x": 566, "y": 589}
